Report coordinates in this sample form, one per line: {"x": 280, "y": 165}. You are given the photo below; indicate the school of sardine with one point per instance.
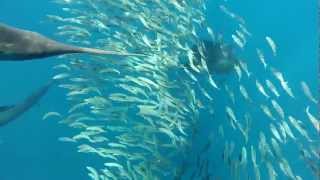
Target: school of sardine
{"x": 142, "y": 115}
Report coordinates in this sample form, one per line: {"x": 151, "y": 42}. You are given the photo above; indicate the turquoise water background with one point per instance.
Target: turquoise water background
{"x": 29, "y": 149}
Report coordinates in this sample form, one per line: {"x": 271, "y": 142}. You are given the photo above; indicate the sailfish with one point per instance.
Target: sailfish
{"x": 11, "y": 112}
{"x": 19, "y": 45}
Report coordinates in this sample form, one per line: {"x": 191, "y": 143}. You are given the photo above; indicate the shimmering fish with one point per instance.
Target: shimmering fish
{"x": 238, "y": 71}
{"x": 93, "y": 173}
{"x": 243, "y": 159}
{"x": 261, "y": 58}
{"x": 272, "y": 45}
{"x": 272, "y": 88}
{"x": 278, "y": 108}
{"x": 267, "y": 111}
{"x": 283, "y": 83}
{"x": 275, "y": 132}
{"x": 307, "y": 92}
{"x": 271, "y": 172}
{"x": 244, "y": 67}
{"x": 244, "y": 93}
{"x": 261, "y": 89}
{"x": 50, "y": 114}
{"x": 238, "y": 41}
{"x": 288, "y": 130}
{"x": 297, "y": 124}
{"x": 231, "y": 116}
{"x": 314, "y": 121}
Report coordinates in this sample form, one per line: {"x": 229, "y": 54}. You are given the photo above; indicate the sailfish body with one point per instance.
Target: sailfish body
{"x": 12, "y": 112}
{"x": 18, "y": 44}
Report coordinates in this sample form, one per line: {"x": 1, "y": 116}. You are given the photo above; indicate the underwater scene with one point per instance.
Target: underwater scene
{"x": 159, "y": 90}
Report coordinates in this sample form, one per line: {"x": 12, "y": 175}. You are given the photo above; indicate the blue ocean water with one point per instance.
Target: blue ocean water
{"x": 29, "y": 148}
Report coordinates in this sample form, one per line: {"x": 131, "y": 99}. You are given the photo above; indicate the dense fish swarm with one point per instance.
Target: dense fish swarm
{"x": 142, "y": 115}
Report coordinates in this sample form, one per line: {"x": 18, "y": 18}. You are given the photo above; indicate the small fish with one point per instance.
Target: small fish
{"x": 244, "y": 29}
{"x": 286, "y": 169}
{"x": 212, "y": 83}
{"x": 62, "y": 66}
{"x": 221, "y": 131}
{"x": 243, "y": 159}
{"x": 315, "y": 122}
{"x": 116, "y": 165}
{"x": 116, "y": 145}
{"x": 225, "y": 153}
{"x": 191, "y": 58}
{"x": 297, "y": 124}
{"x": 211, "y": 34}
{"x": 267, "y": 111}
{"x": 283, "y": 83}
{"x": 283, "y": 132}
{"x": 261, "y": 89}
{"x": 93, "y": 173}
{"x": 230, "y": 94}
{"x": 244, "y": 67}
{"x": 66, "y": 139}
{"x": 288, "y": 130}
{"x": 276, "y": 148}
{"x": 307, "y": 92}
{"x": 255, "y": 165}
{"x": 205, "y": 93}
{"x": 275, "y": 132}
{"x": 241, "y": 36}
{"x": 238, "y": 71}
{"x": 272, "y": 45}
{"x": 271, "y": 172}
{"x": 61, "y": 76}
{"x": 272, "y": 88}
{"x": 232, "y": 15}
{"x": 245, "y": 130}
{"x": 253, "y": 156}
{"x": 244, "y": 93}
{"x": 278, "y": 108}
{"x": 261, "y": 58}
{"x": 264, "y": 147}
{"x": 231, "y": 116}
{"x": 50, "y": 114}
{"x": 257, "y": 172}
{"x": 238, "y": 41}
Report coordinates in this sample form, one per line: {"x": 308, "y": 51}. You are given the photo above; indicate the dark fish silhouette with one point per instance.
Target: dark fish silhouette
{"x": 18, "y": 45}
{"x": 217, "y": 55}
{"x": 10, "y": 113}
